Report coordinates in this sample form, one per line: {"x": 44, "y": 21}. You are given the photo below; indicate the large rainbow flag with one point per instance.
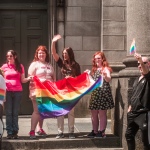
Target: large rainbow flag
{"x": 58, "y": 98}
{"x": 2, "y": 87}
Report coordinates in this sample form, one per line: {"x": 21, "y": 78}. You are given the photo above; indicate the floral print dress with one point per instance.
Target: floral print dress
{"x": 101, "y": 97}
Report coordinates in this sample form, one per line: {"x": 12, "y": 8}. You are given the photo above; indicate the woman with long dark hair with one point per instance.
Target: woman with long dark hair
{"x": 14, "y": 75}
{"x": 69, "y": 68}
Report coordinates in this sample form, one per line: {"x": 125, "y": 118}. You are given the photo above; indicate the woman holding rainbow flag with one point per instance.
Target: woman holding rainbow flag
{"x": 101, "y": 98}
{"x": 41, "y": 68}
{"x": 69, "y": 68}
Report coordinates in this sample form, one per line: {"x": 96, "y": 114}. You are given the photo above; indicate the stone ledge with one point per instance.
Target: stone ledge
{"x": 81, "y": 141}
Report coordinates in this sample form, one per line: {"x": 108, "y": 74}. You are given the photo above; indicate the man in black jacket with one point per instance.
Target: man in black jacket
{"x": 139, "y": 106}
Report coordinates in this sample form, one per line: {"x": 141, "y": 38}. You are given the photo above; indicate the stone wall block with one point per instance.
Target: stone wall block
{"x": 90, "y": 14}
{"x": 114, "y": 3}
{"x": 113, "y": 42}
{"x": 84, "y": 57}
{"x": 114, "y": 13}
{"x": 114, "y": 28}
{"x": 73, "y": 14}
{"x": 88, "y": 3}
{"x": 82, "y": 28}
{"x": 75, "y": 42}
{"x": 91, "y": 43}
{"x": 115, "y": 56}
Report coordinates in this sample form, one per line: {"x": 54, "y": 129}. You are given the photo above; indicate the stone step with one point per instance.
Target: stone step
{"x": 89, "y": 149}
{"x": 82, "y": 128}
{"x": 81, "y": 141}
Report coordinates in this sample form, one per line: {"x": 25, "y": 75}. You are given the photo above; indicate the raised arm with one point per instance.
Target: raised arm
{"x": 142, "y": 61}
{"x": 53, "y": 47}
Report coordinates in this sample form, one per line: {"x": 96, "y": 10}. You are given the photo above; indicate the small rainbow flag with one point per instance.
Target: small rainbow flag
{"x": 58, "y": 98}
{"x": 2, "y": 94}
{"x": 132, "y": 47}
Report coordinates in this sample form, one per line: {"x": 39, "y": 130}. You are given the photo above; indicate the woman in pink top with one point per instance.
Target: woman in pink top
{"x": 41, "y": 68}
{"x": 14, "y": 75}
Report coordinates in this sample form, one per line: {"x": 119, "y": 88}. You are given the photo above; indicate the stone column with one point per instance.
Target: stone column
{"x": 51, "y": 27}
{"x": 56, "y": 24}
{"x": 138, "y": 27}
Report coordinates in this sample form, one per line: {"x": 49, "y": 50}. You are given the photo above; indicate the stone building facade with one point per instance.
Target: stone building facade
{"x": 87, "y": 26}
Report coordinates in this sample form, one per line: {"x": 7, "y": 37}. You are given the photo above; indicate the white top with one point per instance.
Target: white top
{"x": 44, "y": 71}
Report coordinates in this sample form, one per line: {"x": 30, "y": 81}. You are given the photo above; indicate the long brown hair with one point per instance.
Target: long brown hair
{"x": 70, "y": 54}
{"x": 42, "y": 48}
{"x": 17, "y": 63}
{"x": 71, "y": 62}
{"x": 104, "y": 62}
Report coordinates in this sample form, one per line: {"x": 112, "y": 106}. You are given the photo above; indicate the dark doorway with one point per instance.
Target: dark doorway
{"x": 22, "y": 29}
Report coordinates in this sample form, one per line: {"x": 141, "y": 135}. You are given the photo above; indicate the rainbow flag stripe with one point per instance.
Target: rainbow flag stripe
{"x": 132, "y": 47}
{"x": 58, "y": 98}
{"x": 2, "y": 94}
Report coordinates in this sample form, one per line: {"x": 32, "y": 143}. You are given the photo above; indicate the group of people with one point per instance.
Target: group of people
{"x": 14, "y": 75}
{"x": 101, "y": 98}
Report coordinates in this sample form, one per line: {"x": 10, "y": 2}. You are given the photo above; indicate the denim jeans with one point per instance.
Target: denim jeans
{"x": 12, "y": 105}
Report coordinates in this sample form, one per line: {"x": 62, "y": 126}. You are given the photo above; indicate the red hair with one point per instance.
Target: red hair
{"x": 104, "y": 62}
{"x": 42, "y": 48}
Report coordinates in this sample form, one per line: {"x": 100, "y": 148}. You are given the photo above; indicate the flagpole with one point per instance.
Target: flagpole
{"x": 102, "y": 25}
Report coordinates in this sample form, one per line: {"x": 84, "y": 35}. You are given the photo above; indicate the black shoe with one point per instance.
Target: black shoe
{"x": 71, "y": 136}
{"x": 15, "y": 135}
{"x": 9, "y": 136}
{"x": 91, "y": 135}
{"x": 100, "y": 134}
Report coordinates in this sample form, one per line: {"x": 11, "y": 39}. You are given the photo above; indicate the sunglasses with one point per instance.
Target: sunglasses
{"x": 97, "y": 58}
{"x": 143, "y": 63}
{"x": 9, "y": 56}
